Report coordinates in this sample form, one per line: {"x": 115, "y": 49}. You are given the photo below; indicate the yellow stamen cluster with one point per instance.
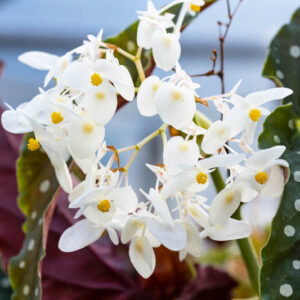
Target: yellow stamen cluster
{"x": 56, "y": 117}
{"x": 261, "y": 177}
{"x": 88, "y": 127}
{"x": 201, "y": 178}
{"x": 33, "y": 144}
{"x": 195, "y": 8}
{"x": 96, "y": 79}
{"x": 255, "y": 114}
{"x": 104, "y": 206}
{"x": 139, "y": 246}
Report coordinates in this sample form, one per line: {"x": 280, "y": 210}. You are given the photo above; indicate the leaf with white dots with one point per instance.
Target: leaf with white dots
{"x": 36, "y": 184}
{"x": 283, "y": 62}
{"x": 280, "y": 273}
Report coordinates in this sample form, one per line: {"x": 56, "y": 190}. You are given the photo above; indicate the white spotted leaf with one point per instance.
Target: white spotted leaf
{"x": 280, "y": 272}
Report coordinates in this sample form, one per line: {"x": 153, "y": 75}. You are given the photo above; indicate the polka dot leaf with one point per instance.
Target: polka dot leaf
{"x": 36, "y": 184}
{"x": 280, "y": 273}
{"x": 283, "y": 61}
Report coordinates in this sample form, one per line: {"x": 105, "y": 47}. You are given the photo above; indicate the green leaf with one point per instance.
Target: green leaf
{"x": 34, "y": 172}
{"x": 279, "y": 275}
{"x": 5, "y": 288}
{"x": 283, "y": 62}
{"x": 37, "y": 184}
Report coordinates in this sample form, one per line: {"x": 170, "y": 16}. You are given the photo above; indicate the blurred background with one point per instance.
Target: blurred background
{"x": 57, "y": 26}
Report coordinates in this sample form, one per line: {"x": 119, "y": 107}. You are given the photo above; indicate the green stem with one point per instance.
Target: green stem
{"x": 249, "y": 256}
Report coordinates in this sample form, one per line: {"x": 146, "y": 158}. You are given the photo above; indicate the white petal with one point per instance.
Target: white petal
{"x": 179, "y": 153}
{"x": 15, "y": 122}
{"x": 113, "y": 235}
{"x": 261, "y": 97}
{"x": 132, "y": 225}
{"x": 83, "y": 164}
{"x": 246, "y": 189}
{"x": 166, "y": 49}
{"x": 175, "y": 105}
{"x": 61, "y": 169}
{"x": 261, "y": 159}
{"x": 249, "y": 132}
{"x": 215, "y": 137}
{"x": 38, "y": 60}
{"x": 199, "y": 215}
{"x": 223, "y": 206}
{"x": 78, "y": 236}
{"x": 172, "y": 237}
{"x": 144, "y": 34}
{"x": 101, "y": 103}
{"x": 194, "y": 241}
{"x": 126, "y": 88}
{"x": 78, "y": 76}
{"x": 142, "y": 256}
{"x": 146, "y": 96}
{"x": 232, "y": 230}
{"x": 84, "y": 142}
{"x": 161, "y": 206}
{"x": 220, "y": 161}
{"x": 125, "y": 198}
{"x": 275, "y": 184}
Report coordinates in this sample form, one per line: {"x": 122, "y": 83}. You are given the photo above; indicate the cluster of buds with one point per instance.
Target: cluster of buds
{"x": 69, "y": 121}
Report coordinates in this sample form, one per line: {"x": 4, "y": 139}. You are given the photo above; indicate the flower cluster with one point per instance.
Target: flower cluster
{"x": 69, "y": 120}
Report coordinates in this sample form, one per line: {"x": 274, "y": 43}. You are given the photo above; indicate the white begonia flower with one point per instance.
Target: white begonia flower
{"x": 175, "y": 105}
{"x": 179, "y": 153}
{"x": 146, "y": 95}
{"x": 265, "y": 171}
{"x": 44, "y": 61}
{"x": 55, "y": 146}
{"x": 85, "y": 137}
{"x": 86, "y": 75}
{"x": 150, "y": 21}
{"x": 195, "y": 178}
{"x": 230, "y": 230}
{"x": 251, "y": 110}
{"x": 222, "y": 131}
{"x": 103, "y": 208}
{"x": 166, "y": 49}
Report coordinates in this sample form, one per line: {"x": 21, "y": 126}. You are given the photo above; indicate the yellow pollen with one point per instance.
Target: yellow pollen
{"x": 100, "y": 95}
{"x": 104, "y": 206}
{"x": 201, "y": 178}
{"x": 261, "y": 177}
{"x": 255, "y": 115}
{"x": 177, "y": 95}
{"x": 33, "y": 144}
{"x": 229, "y": 198}
{"x": 195, "y": 8}
{"x": 56, "y": 117}
{"x": 88, "y": 127}
{"x": 96, "y": 79}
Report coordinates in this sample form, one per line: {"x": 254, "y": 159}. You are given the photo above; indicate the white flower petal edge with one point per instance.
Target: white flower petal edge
{"x": 79, "y": 235}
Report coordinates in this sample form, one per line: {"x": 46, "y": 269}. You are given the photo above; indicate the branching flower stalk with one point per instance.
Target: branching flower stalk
{"x": 69, "y": 122}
